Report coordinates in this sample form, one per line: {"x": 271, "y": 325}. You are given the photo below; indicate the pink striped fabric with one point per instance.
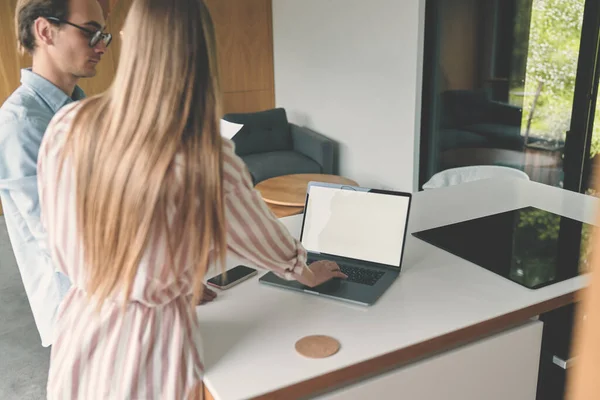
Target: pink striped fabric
{"x": 151, "y": 351}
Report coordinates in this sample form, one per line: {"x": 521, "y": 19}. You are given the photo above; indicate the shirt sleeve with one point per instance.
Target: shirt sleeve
{"x": 47, "y": 182}
{"x": 45, "y": 287}
{"x": 254, "y": 233}
{"x": 19, "y": 143}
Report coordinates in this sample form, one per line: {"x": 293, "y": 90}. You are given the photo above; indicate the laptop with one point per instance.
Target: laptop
{"x": 361, "y": 229}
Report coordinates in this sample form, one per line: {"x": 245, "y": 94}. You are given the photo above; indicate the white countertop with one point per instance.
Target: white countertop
{"x": 250, "y": 330}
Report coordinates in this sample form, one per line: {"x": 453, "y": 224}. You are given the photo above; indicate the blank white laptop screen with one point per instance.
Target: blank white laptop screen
{"x": 361, "y": 225}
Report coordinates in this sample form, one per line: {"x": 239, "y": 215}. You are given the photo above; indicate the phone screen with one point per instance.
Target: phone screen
{"x": 231, "y": 276}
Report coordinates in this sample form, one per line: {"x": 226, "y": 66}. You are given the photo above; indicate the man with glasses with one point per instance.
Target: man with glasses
{"x": 66, "y": 40}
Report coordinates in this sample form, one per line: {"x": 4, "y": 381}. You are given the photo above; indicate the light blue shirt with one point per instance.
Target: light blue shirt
{"x": 24, "y": 118}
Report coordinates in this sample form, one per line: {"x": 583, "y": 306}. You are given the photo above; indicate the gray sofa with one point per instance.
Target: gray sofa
{"x": 470, "y": 119}
{"x": 271, "y": 146}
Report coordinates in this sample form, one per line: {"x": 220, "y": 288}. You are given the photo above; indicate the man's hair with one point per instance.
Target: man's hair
{"x": 27, "y": 11}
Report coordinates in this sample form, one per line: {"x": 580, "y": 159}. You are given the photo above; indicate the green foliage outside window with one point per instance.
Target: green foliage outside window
{"x": 553, "y": 52}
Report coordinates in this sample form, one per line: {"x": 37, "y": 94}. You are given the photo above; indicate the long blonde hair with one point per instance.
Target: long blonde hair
{"x": 163, "y": 103}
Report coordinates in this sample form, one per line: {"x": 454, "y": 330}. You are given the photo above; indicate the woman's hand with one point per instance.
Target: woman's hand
{"x": 208, "y": 295}
{"x": 320, "y": 272}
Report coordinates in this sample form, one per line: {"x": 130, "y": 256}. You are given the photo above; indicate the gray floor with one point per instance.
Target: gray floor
{"x": 23, "y": 360}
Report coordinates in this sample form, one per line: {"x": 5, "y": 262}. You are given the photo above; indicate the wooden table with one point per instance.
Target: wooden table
{"x": 285, "y": 211}
{"x": 285, "y": 195}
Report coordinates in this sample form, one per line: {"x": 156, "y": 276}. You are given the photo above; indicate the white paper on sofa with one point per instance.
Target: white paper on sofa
{"x": 229, "y": 129}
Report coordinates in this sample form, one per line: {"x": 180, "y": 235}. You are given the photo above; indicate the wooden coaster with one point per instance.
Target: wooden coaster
{"x": 317, "y": 346}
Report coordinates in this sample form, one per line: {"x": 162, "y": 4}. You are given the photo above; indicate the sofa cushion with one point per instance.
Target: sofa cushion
{"x": 463, "y": 107}
{"x": 504, "y": 136}
{"x": 263, "y": 166}
{"x": 456, "y": 138}
{"x": 264, "y": 131}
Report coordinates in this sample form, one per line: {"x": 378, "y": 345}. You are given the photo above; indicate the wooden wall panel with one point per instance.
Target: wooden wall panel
{"x": 240, "y": 102}
{"x": 10, "y": 60}
{"x": 244, "y": 31}
{"x": 459, "y": 41}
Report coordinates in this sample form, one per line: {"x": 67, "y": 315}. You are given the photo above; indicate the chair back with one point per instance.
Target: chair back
{"x": 456, "y": 176}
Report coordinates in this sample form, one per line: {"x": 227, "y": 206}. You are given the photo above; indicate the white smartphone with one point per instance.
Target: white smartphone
{"x": 232, "y": 277}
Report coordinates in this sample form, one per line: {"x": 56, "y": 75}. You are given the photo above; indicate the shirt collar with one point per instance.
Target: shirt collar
{"x": 49, "y": 92}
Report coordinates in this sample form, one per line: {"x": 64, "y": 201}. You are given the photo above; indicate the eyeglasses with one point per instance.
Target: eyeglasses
{"x": 95, "y": 37}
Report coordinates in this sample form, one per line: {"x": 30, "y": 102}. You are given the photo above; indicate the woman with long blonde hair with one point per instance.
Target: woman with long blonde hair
{"x": 139, "y": 194}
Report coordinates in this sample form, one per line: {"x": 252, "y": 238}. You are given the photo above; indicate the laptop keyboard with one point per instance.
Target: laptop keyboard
{"x": 361, "y": 275}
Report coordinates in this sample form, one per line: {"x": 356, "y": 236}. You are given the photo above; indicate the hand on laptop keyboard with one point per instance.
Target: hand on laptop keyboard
{"x": 320, "y": 272}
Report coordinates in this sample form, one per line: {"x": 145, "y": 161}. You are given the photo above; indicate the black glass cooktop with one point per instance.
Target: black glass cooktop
{"x": 529, "y": 246}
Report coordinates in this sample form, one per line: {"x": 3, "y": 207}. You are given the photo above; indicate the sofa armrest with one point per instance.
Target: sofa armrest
{"x": 313, "y": 145}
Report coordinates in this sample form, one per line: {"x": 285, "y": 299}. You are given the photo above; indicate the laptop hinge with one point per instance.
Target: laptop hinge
{"x": 314, "y": 256}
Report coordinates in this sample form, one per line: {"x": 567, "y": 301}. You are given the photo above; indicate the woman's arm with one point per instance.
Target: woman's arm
{"x": 255, "y": 234}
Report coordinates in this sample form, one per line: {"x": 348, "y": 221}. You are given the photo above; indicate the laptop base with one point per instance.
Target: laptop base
{"x": 338, "y": 289}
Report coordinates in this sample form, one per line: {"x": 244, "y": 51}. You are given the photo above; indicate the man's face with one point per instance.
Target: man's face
{"x": 71, "y": 51}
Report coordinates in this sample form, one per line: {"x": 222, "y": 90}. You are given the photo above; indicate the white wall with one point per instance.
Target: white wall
{"x": 351, "y": 70}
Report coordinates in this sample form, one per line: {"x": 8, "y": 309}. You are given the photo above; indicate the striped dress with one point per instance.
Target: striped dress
{"x": 152, "y": 350}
